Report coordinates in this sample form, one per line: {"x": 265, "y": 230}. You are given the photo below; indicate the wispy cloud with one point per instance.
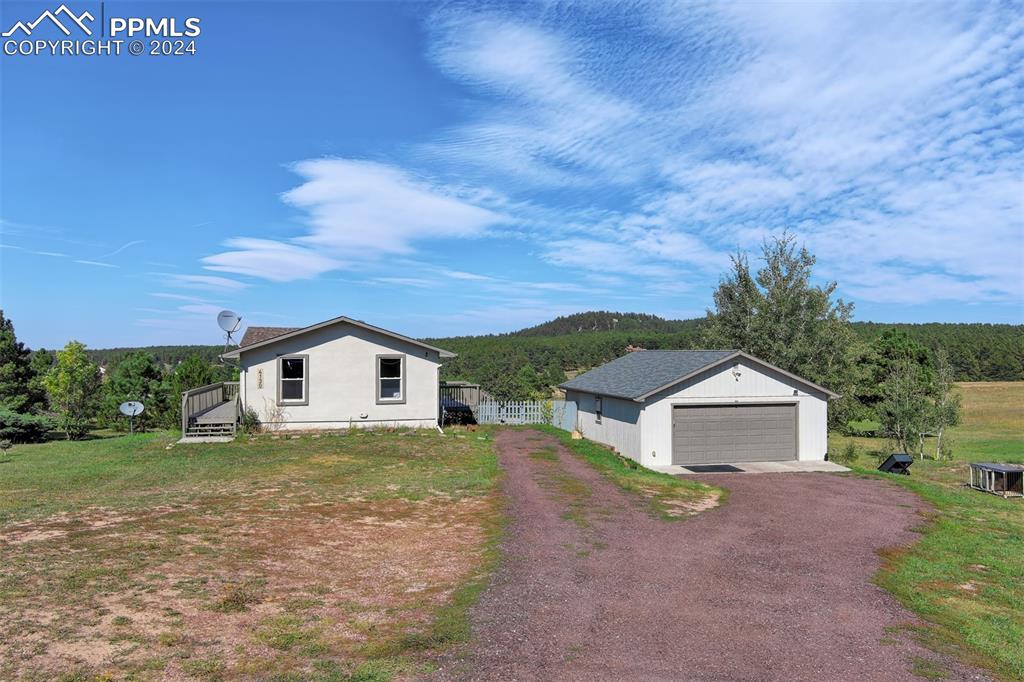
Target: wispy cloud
{"x": 177, "y": 297}
{"x": 888, "y": 136}
{"x": 204, "y": 282}
{"x": 96, "y": 263}
{"x": 633, "y": 147}
{"x": 52, "y": 254}
{"x": 121, "y": 248}
{"x": 355, "y": 211}
{"x": 271, "y": 260}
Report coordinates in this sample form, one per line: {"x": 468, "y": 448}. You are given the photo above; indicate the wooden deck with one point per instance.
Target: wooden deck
{"x": 210, "y": 412}
{"x": 221, "y": 413}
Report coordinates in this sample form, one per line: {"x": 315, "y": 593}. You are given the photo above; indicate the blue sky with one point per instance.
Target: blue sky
{"x": 458, "y": 168}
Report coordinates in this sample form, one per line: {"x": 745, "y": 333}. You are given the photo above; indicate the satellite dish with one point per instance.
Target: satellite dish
{"x": 229, "y": 321}
{"x": 132, "y": 408}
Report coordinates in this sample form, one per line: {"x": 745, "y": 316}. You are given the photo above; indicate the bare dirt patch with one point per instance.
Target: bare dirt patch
{"x": 236, "y": 586}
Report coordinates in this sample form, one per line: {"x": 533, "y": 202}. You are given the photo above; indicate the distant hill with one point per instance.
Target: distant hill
{"x": 539, "y": 357}
{"x": 605, "y": 321}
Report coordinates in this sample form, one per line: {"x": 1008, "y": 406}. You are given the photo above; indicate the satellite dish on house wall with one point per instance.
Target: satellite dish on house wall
{"x": 229, "y": 321}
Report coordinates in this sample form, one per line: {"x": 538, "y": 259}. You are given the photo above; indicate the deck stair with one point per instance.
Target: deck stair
{"x": 210, "y": 413}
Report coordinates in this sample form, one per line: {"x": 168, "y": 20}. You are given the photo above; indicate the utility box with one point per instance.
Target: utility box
{"x": 1005, "y": 480}
{"x": 897, "y": 463}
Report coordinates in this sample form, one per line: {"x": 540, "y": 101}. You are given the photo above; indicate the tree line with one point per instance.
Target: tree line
{"x": 522, "y": 367}
{"x": 69, "y": 392}
{"x": 899, "y": 376}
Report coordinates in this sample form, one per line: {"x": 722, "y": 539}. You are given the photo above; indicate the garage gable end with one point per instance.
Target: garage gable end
{"x": 739, "y": 375}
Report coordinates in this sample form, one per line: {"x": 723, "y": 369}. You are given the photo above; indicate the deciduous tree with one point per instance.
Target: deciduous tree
{"x": 73, "y": 384}
{"x": 945, "y": 410}
{"x": 779, "y": 316}
{"x": 905, "y": 409}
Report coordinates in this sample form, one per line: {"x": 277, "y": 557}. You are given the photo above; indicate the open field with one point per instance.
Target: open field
{"x": 966, "y": 575}
{"x": 334, "y": 557}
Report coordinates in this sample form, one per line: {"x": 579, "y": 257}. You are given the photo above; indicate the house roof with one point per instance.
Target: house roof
{"x": 641, "y": 374}
{"x": 259, "y": 334}
{"x": 256, "y": 337}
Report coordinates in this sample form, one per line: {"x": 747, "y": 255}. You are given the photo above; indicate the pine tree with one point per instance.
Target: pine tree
{"x": 136, "y": 377}
{"x": 19, "y": 392}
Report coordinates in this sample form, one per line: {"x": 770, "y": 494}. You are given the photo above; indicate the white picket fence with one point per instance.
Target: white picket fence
{"x": 555, "y": 412}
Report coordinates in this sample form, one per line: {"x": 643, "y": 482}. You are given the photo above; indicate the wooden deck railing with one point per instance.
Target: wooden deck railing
{"x": 197, "y": 400}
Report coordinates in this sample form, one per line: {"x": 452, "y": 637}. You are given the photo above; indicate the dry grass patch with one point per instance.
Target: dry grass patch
{"x": 303, "y": 570}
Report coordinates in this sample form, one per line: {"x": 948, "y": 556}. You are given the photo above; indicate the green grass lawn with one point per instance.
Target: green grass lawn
{"x": 966, "y": 575}
{"x": 336, "y": 557}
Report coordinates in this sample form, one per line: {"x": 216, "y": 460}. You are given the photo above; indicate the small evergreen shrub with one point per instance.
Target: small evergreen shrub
{"x": 24, "y": 428}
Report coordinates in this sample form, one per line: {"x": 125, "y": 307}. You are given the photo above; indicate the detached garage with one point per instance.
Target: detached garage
{"x": 701, "y": 407}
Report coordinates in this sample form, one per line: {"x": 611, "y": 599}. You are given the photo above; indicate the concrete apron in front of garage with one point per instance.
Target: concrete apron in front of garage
{"x": 758, "y": 468}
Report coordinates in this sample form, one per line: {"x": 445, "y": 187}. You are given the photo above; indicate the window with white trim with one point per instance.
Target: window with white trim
{"x": 390, "y": 378}
{"x": 292, "y": 379}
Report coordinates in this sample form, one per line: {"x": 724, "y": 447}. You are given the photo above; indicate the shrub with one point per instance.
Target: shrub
{"x": 24, "y": 428}
{"x": 250, "y": 421}
{"x": 846, "y": 454}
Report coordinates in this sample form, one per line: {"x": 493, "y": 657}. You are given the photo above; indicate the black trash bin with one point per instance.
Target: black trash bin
{"x": 897, "y": 463}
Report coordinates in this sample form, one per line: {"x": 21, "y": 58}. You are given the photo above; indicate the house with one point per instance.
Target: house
{"x": 670, "y": 407}
{"x": 330, "y": 375}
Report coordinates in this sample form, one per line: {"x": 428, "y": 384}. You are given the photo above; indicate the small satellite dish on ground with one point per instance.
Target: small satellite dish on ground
{"x": 229, "y": 321}
{"x": 132, "y": 409}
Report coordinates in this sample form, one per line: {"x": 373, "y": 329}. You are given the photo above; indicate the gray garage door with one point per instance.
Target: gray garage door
{"x": 733, "y": 433}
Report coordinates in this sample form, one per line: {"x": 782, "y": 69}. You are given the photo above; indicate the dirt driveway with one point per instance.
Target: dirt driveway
{"x": 774, "y": 585}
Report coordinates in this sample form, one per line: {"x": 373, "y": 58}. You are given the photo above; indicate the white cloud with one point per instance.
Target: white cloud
{"x": 889, "y": 137}
{"x": 95, "y": 263}
{"x": 355, "y": 211}
{"x": 205, "y": 282}
{"x": 121, "y": 248}
{"x": 177, "y": 297}
{"x": 272, "y": 260}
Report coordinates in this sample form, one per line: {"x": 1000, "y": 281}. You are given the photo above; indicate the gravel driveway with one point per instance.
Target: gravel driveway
{"x": 774, "y": 585}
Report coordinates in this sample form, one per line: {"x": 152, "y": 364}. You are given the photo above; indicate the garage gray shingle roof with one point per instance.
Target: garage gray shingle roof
{"x": 637, "y": 374}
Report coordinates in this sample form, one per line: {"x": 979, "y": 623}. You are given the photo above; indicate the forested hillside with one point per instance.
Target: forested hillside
{"x": 978, "y": 352}
{"x": 604, "y": 321}
{"x": 532, "y": 360}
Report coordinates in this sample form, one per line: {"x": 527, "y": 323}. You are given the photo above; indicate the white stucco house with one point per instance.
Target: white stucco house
{"x": 677, "y": 407}
{"x": 331, "y": 375}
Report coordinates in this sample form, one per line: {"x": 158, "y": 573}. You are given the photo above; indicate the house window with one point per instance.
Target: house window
{"x": 390, "y": 378}
{"x": 597, "y": 409}
{"x": 293, "y": 372}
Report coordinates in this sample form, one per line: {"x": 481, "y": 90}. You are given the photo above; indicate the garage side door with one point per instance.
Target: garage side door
{"x": 733, "y": 433}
